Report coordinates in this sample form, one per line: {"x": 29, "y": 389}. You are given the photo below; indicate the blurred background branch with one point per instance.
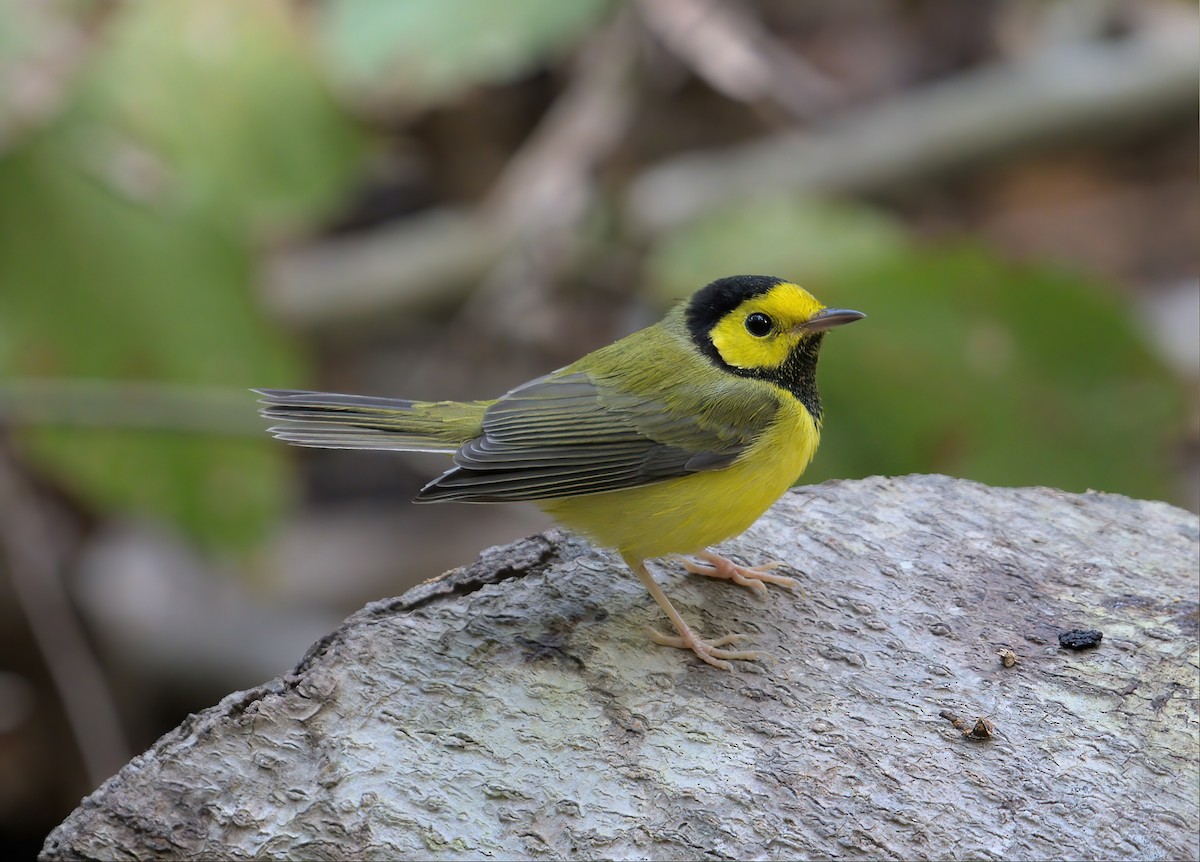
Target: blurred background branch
{"x": 442, "y": 200}
{"x": 727, "y": 47}
{"x": 126, "y": 404}
{"x": 1066, "y": 93}
{"x": 34, "y": 542}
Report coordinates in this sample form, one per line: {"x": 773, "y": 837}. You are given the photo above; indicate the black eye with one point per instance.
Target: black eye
{"x": 758, "y": 324}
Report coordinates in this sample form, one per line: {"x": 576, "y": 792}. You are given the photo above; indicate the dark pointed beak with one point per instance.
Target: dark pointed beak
{"x": 831, "y": 317}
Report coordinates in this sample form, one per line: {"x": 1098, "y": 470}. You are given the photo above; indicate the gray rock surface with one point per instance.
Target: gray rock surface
{"x": 515, "y": 708}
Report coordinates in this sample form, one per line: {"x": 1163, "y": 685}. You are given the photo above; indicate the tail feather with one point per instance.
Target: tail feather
{"x": 329, "y": 420}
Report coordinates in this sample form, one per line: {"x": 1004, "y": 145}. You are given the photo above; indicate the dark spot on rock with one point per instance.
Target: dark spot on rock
{"x": 1188, "y": 618}
{"x": 550, "y": 646}
{"x": 1080, "y": 639}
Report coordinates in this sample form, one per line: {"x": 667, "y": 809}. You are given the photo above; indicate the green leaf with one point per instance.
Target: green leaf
{"x": 215, "y": 108}
{"x": 127, "y": 234}
{"x": 92, "y": 287}
{"x": 1009, "y": 374}
{"x": 810, "y": 241}
{"x": 430, "y": 51}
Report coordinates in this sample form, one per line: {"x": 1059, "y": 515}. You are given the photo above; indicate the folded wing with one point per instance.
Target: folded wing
{"x": 567, "y": 434}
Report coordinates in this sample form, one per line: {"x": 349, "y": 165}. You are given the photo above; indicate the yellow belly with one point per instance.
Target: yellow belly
{"x": 686, "y": 515}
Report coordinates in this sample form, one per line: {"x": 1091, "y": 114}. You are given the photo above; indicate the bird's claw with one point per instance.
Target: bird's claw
{"x": 709, "y": 651}
{"x": 755, "y": 577}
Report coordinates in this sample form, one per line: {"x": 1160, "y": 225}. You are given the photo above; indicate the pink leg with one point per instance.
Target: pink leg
{"x": 716, "y": 566}
{"x": 708, "y": 651}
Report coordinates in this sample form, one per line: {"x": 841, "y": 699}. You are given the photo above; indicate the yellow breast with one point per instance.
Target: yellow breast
{"x": 686, "y": 515}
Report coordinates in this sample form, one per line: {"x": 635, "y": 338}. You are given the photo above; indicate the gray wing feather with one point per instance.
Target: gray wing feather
{"x": 566, "y": 435}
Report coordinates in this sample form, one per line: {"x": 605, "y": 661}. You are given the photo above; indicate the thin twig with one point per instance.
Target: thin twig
{"x": 548, "y": 181}
{"x": 549, "y": 185}
{"x": 1070, "y": 92}
{"x": 440, "y": 256}
{"x": 729, "y": 48}
{"x": 128, "y": 405}
{"x": 33, "y": 555}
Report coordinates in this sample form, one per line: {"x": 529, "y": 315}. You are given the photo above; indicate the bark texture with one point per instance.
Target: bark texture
{"x": 514, "y": 708}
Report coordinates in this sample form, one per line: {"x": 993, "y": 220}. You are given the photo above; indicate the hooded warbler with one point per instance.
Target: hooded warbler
{"x": 665, "y": 442}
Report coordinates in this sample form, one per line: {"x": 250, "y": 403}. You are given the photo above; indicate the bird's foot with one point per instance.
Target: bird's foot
{"x": 715, "y": 566}
{"x": 709, "y": 651}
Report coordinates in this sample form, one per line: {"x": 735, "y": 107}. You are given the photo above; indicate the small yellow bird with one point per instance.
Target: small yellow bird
{"x": 666, "y": 442}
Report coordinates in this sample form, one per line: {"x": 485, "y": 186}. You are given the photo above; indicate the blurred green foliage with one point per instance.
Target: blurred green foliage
{"x": 130, "y": 228}
{"x": 127, "y": 244}
{"x": 425, "y": 52}
{"x": 968, "y": 364}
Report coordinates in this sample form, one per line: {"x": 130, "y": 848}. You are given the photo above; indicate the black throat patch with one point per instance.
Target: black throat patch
{"x": 797, "y": 374}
